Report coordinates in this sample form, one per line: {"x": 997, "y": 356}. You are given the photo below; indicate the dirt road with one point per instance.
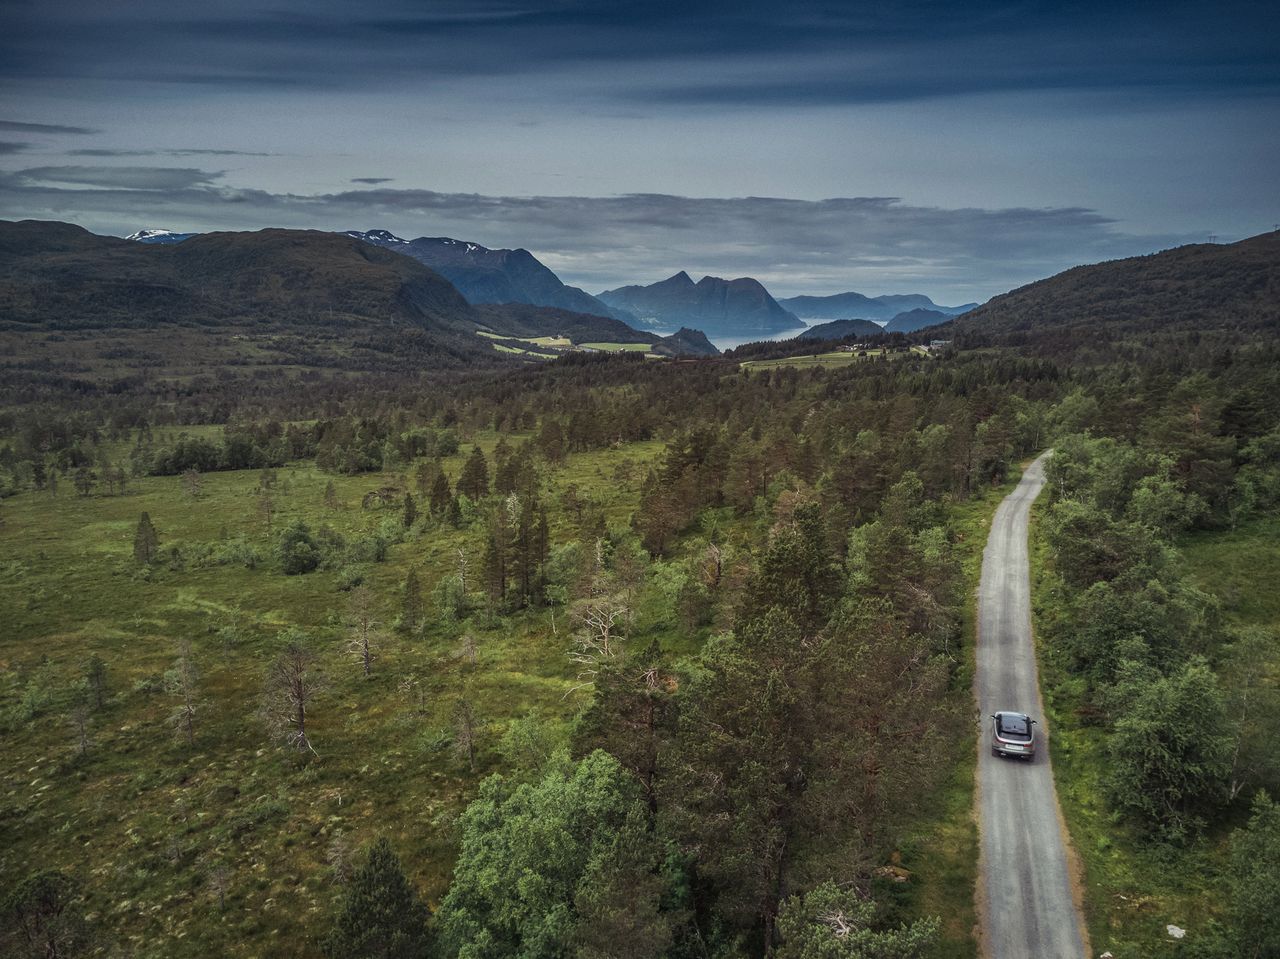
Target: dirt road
{"x": 1026, "y": 909}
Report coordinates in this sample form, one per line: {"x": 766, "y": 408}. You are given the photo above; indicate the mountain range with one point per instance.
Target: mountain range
{"x": 841, "y": 306}
{"x": 282, "y": 298}
{"x": 733, "y": 308}
{"x": 741, "y": 307}
{"x": 483, "y": 275}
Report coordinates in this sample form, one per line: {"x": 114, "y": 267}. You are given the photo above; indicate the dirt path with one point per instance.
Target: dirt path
{"x": 1026, "y": 908}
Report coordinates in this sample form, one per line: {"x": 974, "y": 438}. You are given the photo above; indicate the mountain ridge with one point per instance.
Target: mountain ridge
{"x": 853, "y": 305}
{"x": 485, "y": 275}
{"x": 1198, "y": 287}
{"x": 718, "y": 307}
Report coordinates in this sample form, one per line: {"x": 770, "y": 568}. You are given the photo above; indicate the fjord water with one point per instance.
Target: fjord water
{"x": 729, "y": 342}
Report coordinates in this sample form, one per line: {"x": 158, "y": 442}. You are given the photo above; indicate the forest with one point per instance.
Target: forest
{"x": 616, "y": 657}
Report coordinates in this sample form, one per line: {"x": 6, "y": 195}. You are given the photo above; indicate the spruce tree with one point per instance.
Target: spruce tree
{"x": 146, "y": 542}
{"x": 411, "y": 615}
{"x": 474, "y": 481}
{"x": 441, "y": 496}
{"x": 95, "y": 674}
{"x": 410, "y": 510}
{"x": 381, "y": 914}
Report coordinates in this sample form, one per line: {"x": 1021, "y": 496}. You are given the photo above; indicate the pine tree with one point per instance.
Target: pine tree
{"x": 146, "y": 542}
{"x": 381, "y": 915}
{"x": 474, "y": 481}
{"x": 441, "y": 496}
{"x": 95, "y": 675}
{"x": 411, "y": 614}
{"x": 410, "y": 510}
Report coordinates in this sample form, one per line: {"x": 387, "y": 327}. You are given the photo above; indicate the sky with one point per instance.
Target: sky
{"x": 954, "y": 149}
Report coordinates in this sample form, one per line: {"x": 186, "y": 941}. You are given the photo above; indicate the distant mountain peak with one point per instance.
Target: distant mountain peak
{"x": 741, "y": 307}
{"x": 159, "y": 236}
{"x": 376, "y": 236}
{"x": 484, "y": 275}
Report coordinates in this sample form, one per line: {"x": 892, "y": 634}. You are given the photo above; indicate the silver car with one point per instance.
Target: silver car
{"x": 1013, "y": 734}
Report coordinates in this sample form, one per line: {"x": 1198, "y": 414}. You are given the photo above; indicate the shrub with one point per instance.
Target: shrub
{"x": 297, "y": 549}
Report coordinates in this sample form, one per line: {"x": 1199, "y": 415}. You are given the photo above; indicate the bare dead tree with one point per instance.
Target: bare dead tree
{"x": 415, "y": 691}
{"x": 182, "y": 681}
{"x": 80, "y": 713}
{"x": 293, "y": 682}
{"x": 218, "y": 879}
{"x": 266, "y": 509}
{"x": 365, "y": 637}
{"x": 600, "y": 634}
{"x": 469, "y": 651}
{"x": 712, "y": 566}
{"x": 338, "y": 855}
{"x": 464, "y": 731}
{"x": 462, "y": 570}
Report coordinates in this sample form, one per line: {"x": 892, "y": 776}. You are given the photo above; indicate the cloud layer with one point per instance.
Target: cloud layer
{"x": 871, "y": 244}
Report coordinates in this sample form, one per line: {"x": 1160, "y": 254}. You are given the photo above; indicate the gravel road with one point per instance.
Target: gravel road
{"x": 1026, "y": 910}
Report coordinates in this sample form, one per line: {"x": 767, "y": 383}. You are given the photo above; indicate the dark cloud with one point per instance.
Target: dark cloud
{"x": 870, "y": 244}
{"x": 16, "y": 127}
{"x": 7, "y": 147}
{"x": 371, "y": 179}
{"x": 123, "y": 177}
{"x": 751, "y": 51}
{"x": 164, "y": 153}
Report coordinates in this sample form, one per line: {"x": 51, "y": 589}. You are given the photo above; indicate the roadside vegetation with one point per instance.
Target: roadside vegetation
{"x": 1161, "y": 647}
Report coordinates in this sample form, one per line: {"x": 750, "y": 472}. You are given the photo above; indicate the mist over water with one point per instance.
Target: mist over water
{"x": 729, "y": 342}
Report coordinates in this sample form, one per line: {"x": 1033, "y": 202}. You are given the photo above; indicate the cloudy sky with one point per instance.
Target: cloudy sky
{"x": 956, "y": 149}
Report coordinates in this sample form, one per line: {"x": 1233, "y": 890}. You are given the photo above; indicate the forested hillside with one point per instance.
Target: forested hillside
{"x": 609, "y": 651}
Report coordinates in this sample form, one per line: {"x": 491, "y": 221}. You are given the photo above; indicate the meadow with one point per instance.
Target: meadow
{"x": 235, "y": 844}
{"x": 158, "y": 828}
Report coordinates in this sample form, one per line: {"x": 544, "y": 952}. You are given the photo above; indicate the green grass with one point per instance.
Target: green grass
{"x": 618, "y": 347}
{"x": 1241, "y": 567}
{"x": 1132, "y": 889}
{"x": 822, "y": 360}
{"x": 141, "y": 817}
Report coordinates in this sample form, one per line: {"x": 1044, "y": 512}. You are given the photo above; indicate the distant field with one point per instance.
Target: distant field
{"x": 618, "y": 347}
{"x": 837, "y": 358}
{"x": 563, "y": 343}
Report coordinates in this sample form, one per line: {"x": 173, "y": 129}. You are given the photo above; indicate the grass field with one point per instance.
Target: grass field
{"x": 618, "y": 347}
{"x": 146, "y": 822}
{"x": 819, "y": 360}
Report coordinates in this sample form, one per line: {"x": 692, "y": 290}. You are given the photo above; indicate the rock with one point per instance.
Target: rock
{"x": 1175, "y": 932}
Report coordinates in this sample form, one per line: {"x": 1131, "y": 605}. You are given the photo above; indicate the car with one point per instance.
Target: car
{"x": 1013, "y": 734}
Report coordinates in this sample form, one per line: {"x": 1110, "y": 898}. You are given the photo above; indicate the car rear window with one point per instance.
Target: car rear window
{"x": 1014, "y": 725}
